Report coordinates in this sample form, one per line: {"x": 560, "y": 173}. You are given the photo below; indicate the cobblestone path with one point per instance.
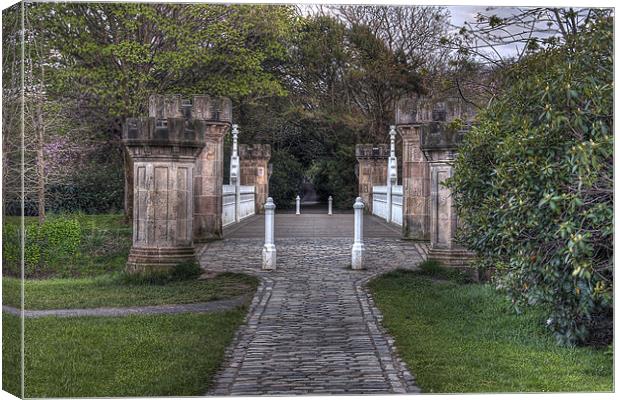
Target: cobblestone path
{"x": 312, "y": 328}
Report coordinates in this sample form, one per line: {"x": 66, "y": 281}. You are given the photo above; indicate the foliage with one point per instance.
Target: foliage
{"x": 138, "y": 355}
{"x": 286, "y": 179}
{"x": 464, "y": 339}
{"x": 533, "y": 183}
{"x": 53, "y": 242}
{"x": 67, "y": 245}
{"x": 336, "y": 177}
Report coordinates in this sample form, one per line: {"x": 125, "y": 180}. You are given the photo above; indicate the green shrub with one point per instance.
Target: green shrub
{"x": 533, "y": 183}
{"x": 286, "y": 179}
{"x": 47, "y": 245}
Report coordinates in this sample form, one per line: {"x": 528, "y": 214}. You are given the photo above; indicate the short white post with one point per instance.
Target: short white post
{"x": 297, "y": 199}
{"x": 329, "y": 205}
{"x": 357, "y": 252}
{"x": 269, "y": 249}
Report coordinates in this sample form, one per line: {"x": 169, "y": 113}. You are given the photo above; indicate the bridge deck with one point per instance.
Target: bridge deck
{"x": 312, "y": 226}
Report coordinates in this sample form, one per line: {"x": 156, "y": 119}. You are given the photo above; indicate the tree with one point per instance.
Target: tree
{"x": 533, "y": 182}
{"x": 110, "y": 57}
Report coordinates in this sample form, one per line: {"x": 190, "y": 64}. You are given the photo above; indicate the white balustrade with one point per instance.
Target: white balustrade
{"x": 297, "y": 201}
{"x": 329, "y": 205}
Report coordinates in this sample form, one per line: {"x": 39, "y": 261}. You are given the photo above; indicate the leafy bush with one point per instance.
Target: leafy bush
{"x": 533, "y": 183}
{"x": 286, "y": 179}
{"x": 55, "y": 241}
{"x": 336, "y": 177}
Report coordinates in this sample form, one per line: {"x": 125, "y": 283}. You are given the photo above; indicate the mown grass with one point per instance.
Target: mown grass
{"x": 112, "y": 291}
{"x": 161, "y": 355}
{"x": 104, "y": 247}
{"x": 464, "y": 338}
{"x": 11, "y": 354}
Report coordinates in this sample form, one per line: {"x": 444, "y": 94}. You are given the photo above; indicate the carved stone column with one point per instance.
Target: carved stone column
{"x": 411, "y": 119}
{"x": 216, "y": 114}
{"x": 163, "y": 147}
{"x": 372, "y": 169}
{"x": 254, "y": 159}
{"x": 439, "y": 144}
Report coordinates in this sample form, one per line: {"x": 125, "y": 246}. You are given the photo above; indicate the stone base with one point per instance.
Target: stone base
{"x": 149, "y": 259}
{"x": 357, "y": 256}
{"x": 456, "y": 258}
{"x": 269, "y": 257}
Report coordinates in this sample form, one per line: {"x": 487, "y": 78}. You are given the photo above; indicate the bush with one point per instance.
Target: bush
{"x": 336, "y": 177}
{"x": 435, "y": 269}
{"x": 533, "y": 183}
{"x": 47, "y": 245}
{"x": 286, "y": 179}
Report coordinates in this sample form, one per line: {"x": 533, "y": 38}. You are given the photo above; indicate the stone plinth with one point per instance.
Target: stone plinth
{"x": 372, "y": 165}
{"x": 439, "y": 144}
{"x": 216, "y": 114}
{"x": 254, "y": 161}
{"x": 163, "y": 151}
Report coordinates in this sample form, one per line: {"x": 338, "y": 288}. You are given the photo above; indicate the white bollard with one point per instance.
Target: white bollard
{"x": 269, "y": 249}
{"x": 357, "y": 252}
{"x": 329, "y": 205}
{"x": 297, "y": 200}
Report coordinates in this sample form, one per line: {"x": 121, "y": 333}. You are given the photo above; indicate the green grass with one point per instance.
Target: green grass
{"x": 111, "y": 291}
{"x": 11, "y": 354}
{"x": 464, "y": 338}
{"x": 160, "y": 355}
{"x": 104, "y": 246}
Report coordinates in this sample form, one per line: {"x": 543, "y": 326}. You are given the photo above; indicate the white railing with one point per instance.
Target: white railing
{"x": 246, "y": 203}
{"x": 397, "y": 205}
{"x": 380, "y": 203}
{"x": 229, "y": 200}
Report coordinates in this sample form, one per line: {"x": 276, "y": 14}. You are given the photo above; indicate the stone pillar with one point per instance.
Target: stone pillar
{"x": 411, "y": 119}
{"x": 254, "y": 164}
{"x": 269, "y": 249}
{"x": 297, "y": 201}
{"x": 215, "y": 113}
{"x": 439, "y": 144}
{"x": 371, "y": 169}
{"x": 163, "y": 147}
{"x": 357, "y": 251}
{"x": 329, "y": 205}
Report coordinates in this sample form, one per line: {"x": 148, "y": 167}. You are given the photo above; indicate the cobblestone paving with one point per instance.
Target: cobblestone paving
{"x": 312, "y": 327}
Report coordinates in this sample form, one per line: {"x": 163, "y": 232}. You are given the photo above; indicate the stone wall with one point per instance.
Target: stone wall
{"x": 254, "y": 166}
{"x": 372, "y": 164}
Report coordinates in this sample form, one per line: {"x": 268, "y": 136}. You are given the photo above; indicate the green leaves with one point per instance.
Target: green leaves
{"x": 533, "y": 182}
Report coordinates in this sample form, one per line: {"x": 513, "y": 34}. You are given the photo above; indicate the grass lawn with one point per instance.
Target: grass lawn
{"x": 460, "y": 338}
{"x": 110, "y": 291}
{"x": 159, "y": 355}
{"x": 104, "y": 245}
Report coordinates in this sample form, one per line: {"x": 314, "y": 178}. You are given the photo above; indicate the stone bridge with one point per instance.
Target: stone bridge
{"x": 312, "y": 327}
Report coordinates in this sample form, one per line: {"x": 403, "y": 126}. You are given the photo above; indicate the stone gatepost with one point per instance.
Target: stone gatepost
{"x": 412, "y": 118}
{"x": 254, "y": 161}
{"x": 439, "y": 144}
{"x": 216, "y": 114}
{"x": 164, "y": 148}
{"x": 372, "y": 169}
